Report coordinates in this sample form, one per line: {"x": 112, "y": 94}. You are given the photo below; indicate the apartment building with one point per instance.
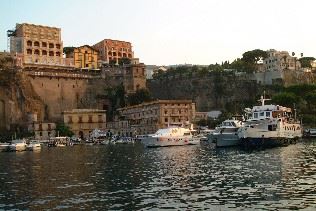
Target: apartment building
{"x": 147, "y": 118}
{"x": 83, "y": 121}
{"x": 113, "y": 50}
{"x": 37, "y": 44}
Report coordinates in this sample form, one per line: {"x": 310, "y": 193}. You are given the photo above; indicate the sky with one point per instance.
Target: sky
{"x": 169, "y": 32}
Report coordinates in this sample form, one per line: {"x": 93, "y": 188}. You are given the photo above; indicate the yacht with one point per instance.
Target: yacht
{"x": 269, "y": 125}
{"x": 18, "y": 145}
{"x": 225, "y": 135}
{"x": 34, "y": 145}
{"x": 171, "y": 136}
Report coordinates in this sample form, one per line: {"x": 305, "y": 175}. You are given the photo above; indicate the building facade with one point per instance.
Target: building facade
{"x": 38, "y": 44}
{"x": 112, "y": 50}
{"x": 147, "y": 118}
{"x": 84, "y": 57}
{"x": 134, "y": 77}
{"x": 280, "y": 60}
{"x": 83, "y": 121}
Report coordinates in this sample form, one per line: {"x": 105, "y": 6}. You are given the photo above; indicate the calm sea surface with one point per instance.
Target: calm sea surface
{"x": 131, "y": 177}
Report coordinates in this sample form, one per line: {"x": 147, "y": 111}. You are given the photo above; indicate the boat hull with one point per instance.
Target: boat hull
{"x": 152, "y": 142}
{"x": 267, "y": 142}
{"x": 224, "y": 139}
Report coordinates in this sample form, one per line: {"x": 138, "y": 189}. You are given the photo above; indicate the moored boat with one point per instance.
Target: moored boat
{"x": 269, "y": 126}
{"x": 171, "y": 136}
{"x": 4, "y": 147}
{"x": 226, "y": 134}
{"x": 18, "y": 145}
{"x": 34, "y": 145}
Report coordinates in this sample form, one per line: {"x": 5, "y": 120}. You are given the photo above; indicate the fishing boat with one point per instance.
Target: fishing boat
{"x": 269, "y": 126}
{"x": 171, "y": 136}
{"x": 225, "y": 135}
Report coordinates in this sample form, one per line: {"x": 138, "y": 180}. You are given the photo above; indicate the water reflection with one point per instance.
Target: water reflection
{"x": 131, "y": 177}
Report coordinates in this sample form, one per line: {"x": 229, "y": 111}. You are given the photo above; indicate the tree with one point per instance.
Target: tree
{"x": 285, "y": 99}
{"x": 141, "y": 95}
{"x": 63, "y": 130}
{"x": 306, "y": 61}
{"x": 254, "y": 56}
{"x": 68, "y": 50}
{"x": 124, "y": 61}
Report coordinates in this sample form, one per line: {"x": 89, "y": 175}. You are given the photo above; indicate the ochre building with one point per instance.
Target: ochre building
{"x": 147, "y": 118}
{"x": 83, "y": 121}
{"x": 84, "y": 57}
{"x": 113, "y": 50}
{"x": 37, "y": 44}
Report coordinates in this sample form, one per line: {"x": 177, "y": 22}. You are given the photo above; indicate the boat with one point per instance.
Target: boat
{"x": 34, "y": 145}
{"x": 18, "y": 145}
{"x": 171, "y": 136}
{"x": 269, "y": 126}
{"x": 59, "y": 142}
{"x": 225, "y": 135}
{"x": 4, "y": 147}
{"x": 309, "y": 133}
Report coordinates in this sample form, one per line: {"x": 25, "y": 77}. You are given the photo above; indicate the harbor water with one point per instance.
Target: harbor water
{"x": 131, "y": 177}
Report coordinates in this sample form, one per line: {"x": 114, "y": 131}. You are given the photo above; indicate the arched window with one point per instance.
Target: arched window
{"x": 58, "y": 46}
{"x": 44, "y": 44}
{"x": 129, "y": 55}
{"x": 29, "y": 51}
{"x": 44, "y": 53}
{"x": 51, "y": 45}
{"x": 36, "y": 52}
{"x": 57, "y": 53}
{"x": 29, "y": 43}
{"x": 51, "y": 53}
{"x": 36, "y": 44}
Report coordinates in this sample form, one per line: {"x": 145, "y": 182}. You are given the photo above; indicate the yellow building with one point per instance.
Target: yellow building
{"x": 83, "y": 121}
{"x": 85, "y": 57}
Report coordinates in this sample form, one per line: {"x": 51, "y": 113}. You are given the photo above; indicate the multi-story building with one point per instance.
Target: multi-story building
{"x": 83, "y": 121}
{"x": 113, "y": 50}
{"x": 147, "y": 118}
{"x": 38, "y": 44}
{"x": 280, "y": 60}
{"x": 85, "y": 57}
{"x": 134, "y": 77}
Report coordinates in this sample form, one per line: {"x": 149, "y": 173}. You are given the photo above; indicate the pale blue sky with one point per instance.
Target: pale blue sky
{"x": 167, "y": 32}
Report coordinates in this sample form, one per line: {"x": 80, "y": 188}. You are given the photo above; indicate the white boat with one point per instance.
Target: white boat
{"x": 269, "y": 126}
{"x": 18, "y": 145}
{"x": 225, "y": 135}
{"x": 171, "y": 136}
{"x": 34, "y": 145}
{"x": 4, "y": 147}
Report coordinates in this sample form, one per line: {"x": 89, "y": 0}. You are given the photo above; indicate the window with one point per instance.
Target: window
{"x": 29, "y": 51}
{"x": 57, "y": 53}
{"x": 51, "y": 45}
{"x": 51, "y": 53}
{"x": 90, "y": 118}
{"x": 166, "y": 119}
{"x": 255, "y": 115}
{"x": 268, "y": 114}
{"x": 44, "y": 53}
{"x": 29, "y": 43}
{"x": 44, "y": 44}
{"x": 100, "y": 118}
{"x": 36, "y": 44}
{"x": 261, "y": 113}
{"x": 36, "y": 52}
{"x": 58, "y": 46}
{"x": 80, "y": 119}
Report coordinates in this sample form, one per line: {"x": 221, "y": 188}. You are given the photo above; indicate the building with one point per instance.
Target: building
{"x": 280, "y": 60}
{"x": 147, "y": 118}
{"x": 44, "y": 131}
{"x": 83, "y": 121}
{"x": 134, "y": 77}
{"x": 37, "y": 44}
{"x": 84, "y": 57}
{"x": 113, "y": 50}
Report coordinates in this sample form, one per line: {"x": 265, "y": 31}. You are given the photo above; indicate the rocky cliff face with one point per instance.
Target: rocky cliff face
{"x": 17, "y": 99}
{"x": 215, "y": 90}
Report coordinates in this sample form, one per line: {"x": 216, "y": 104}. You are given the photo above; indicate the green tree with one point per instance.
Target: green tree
{"x": 124, "y": 61}
{"x": 68, "y": 50}
{"x": 285, "y": 99}
{"x": 254, "y": 56}
{"x": 63, "y": 130}
{"x": 140, "y": 96}
{"x": 306, "y": 61}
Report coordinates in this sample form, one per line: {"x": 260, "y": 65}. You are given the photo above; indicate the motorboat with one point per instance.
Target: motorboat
{"x": 4, "y": 147}
{"x": 171, "y": 136}
{"x": 34, "y": 145}
{"x": 18, "y": 145}
{"x": 269, "y": 125}
{"x": 225, "y": 135}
